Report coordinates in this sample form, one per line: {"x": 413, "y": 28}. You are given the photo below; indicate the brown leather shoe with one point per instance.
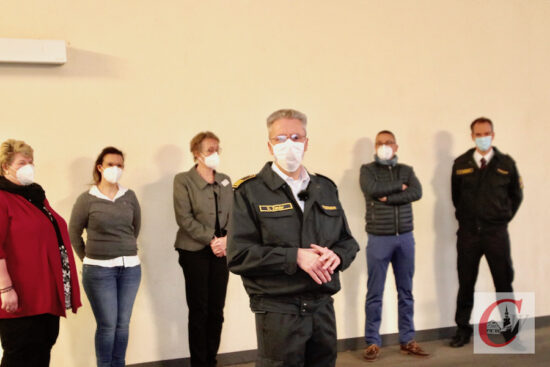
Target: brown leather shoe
{"x": 371, "y": 353}
{"x": 412, "y": 348}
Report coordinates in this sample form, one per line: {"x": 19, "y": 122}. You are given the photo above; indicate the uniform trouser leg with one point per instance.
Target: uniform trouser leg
{"x": 469, "y": 252}
{"x": 27, "y": 341}
{"x": 217, "y": 287}
{"x": 321, "y": 349}
{"x": 403, "y": 269}
{"x": 297, "y": 340}
{"x": 496, "y": 247}
{"x": 379, "y": 254}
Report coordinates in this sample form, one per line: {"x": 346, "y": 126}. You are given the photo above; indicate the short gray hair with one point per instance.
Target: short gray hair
{"x": 287, "y": 113}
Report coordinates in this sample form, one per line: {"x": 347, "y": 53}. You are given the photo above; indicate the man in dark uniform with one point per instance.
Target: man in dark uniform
{"x": 487, "y": 191}
{"x": 288, "y": 240}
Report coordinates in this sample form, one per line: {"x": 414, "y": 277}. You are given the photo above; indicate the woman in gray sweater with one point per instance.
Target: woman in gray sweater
{"x": 111, "y": 270}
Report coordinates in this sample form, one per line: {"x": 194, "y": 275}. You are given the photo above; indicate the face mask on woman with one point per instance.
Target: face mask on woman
{"x": 212, "y": 161}
{"x": 25, "y": 174}
{"x": 289, "y": 154}
{"x": 112, "y": 174}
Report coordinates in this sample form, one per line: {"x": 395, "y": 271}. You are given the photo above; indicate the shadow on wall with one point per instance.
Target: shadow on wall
{"x": 445, "y": 229}
{"x": 78, "y": 330}
{"x": 80, "y": 63}
{"x": 353, "y": 202}
{"x": 163, "y": 279}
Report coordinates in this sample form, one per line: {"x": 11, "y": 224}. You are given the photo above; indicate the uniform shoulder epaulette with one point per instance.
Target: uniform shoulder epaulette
{"x": 326, "y": 178}
{"x": 242, "y": 180}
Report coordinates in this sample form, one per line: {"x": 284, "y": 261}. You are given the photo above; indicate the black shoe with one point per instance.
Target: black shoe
{"x": 459, "y": 340}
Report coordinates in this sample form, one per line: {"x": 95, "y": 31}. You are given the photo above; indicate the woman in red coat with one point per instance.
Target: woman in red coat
{"x": 38, "y": 278}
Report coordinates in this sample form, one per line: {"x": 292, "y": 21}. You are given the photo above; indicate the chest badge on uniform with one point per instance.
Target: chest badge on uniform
{"x": 275, "y": 207}
{"x": 329, "y": 207}
{"x": 464, "y": 171}
{"x": 504, "y": 172}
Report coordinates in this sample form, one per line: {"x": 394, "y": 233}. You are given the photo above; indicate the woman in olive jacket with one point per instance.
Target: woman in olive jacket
{"x": 202, "y": 202}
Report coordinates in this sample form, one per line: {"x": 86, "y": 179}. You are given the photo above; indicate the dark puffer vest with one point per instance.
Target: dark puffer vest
{"x": 395, "y": 215}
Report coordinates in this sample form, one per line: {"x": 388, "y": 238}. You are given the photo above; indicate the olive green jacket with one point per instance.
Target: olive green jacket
{"x": 195, "y": 208}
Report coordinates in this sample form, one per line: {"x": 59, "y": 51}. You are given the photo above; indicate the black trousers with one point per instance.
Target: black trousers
{"x": 27, "y": 341}
{"x": 471, "y": 246}
{"x": 205, "y": 285}
{"x": 306, "y": 337}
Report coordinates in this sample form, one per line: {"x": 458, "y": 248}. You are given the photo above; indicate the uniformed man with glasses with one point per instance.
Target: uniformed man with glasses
{"x": 289, "y": 239}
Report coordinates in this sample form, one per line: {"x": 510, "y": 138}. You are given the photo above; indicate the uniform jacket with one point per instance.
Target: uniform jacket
{"x": 489, "y": 197}
{"x": 28, "y": 243}
{"x": 395, "y": 215}
{"x": 196, "y": 210}
{"x": 268, "y": 227}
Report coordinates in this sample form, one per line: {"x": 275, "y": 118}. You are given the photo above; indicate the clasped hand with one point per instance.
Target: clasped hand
{"x": 319, "y": 262}
{"x": 219, "y": 246}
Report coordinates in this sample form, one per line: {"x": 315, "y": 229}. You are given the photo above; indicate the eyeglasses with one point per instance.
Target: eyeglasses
{"x": 213, "y": 150}
{"x": 282, "y": 138}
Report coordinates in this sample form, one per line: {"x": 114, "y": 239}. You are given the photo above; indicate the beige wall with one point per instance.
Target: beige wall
{"x": 145, "y": 76}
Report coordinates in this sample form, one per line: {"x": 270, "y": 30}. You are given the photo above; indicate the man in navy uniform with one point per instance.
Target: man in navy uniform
{"x": 288, "y": 240}
{"x": 487, "y": 191}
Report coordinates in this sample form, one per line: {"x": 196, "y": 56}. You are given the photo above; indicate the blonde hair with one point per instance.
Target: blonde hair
{"x": 10, "y": 148}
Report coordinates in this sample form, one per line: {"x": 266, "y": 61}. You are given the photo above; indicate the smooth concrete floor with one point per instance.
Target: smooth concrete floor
{"x": 443, "y": 355}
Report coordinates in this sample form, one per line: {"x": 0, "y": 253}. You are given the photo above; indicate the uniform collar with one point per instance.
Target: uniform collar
{"x": 478, "y": 156}
{"x": 304, "y": 175}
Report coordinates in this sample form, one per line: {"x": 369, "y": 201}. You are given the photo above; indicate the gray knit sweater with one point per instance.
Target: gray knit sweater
{"x": 111, "y": 227}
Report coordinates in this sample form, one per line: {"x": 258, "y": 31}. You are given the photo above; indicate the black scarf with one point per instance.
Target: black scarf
{"x": 33, "y": 192}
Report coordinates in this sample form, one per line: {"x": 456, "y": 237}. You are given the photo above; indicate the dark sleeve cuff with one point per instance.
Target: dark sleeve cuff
{"x": 291, "y": 261}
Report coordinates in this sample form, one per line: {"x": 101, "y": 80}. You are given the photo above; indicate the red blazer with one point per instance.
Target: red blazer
{"x": 28, "y": 243}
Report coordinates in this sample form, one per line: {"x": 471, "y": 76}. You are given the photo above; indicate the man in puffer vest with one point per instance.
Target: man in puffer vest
{"x": 389, "y": 188}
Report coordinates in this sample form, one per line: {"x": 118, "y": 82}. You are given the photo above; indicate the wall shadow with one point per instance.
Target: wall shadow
{"x": 445, "y": 225}
{"x": 353, "y": 202}
{"x": 82, "y": 351}
{"x": 162, "y": 276}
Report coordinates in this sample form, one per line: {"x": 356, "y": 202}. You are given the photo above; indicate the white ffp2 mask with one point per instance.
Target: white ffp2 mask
{"x": 384, "y": 152}
{"x": 25, "y": 174}
{"x": 212, "y": 161}
{"x": 112, "y": 174}
{"x": 289, "y": 154}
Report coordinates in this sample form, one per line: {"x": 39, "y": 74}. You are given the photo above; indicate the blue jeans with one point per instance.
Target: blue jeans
{"x": 381, "y": 250}
{"x": 111, "y": 292}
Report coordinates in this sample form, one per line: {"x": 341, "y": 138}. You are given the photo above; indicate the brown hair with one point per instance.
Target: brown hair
{"x": 481, "y": 120}
{"x": 10, "y": 148}
{"x": 386, "y": 132}
{"x": 195, "y": 145}
{"x": 99, "y": 161}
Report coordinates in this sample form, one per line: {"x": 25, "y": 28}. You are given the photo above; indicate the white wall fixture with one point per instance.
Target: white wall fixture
{"x": 28, "y": 51}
